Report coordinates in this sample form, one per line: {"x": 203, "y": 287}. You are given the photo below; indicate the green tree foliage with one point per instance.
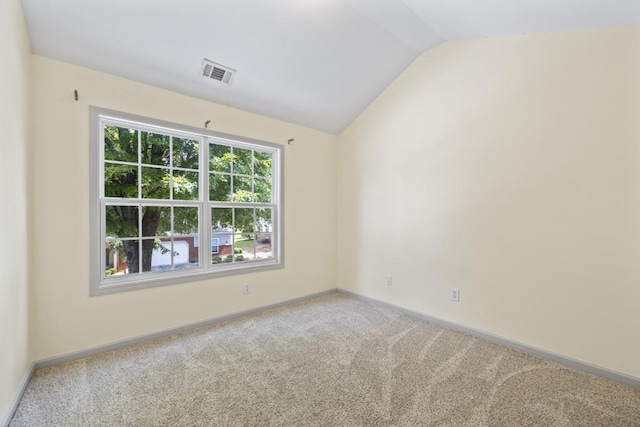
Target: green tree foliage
{"x": 156, "y": 166}
{"x": 249, "y": 174}
{"x": 121, "y": 181}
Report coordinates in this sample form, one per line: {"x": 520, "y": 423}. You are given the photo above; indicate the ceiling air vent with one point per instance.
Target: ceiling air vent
{"x": 217, "y": 72}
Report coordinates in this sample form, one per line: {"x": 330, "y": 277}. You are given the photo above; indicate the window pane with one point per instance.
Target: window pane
{"x": 242, "y": 191}
{"x": 264, "y": 221}
{"x": 185, "y": 185}
{"x": 244, "y": 245}
{"x": 219, "y": 158}
{"x": 182, "y": 244}
{"x": 244, "y": 220}
{"x": 122, "y": 221}
{"x": 157, "y": 253}
{"x": 120, "y": 144}
{"x": 156, "y": 221}
{"x": 219, "y": 188}
{"x": 263, "y": 246}
{"x": 120, "y": 181}
{"x": 155, "y": 183}
{"x": 114, "y": 265}
{"x": 221, "y": 219}
{"x": 262, "y": 190}
{"x": 154, "y": 149}
{"x": 185, "y": 153}
{"x": 242, "y": 160}
{"x": 122, "y": 257}
{"x": 185, "y": 220}
{"x": 262, "y": 163}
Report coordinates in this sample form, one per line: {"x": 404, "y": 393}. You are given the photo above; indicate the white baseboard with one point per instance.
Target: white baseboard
{"x": 80, "y": 354}
{"x": 609, "y": 374}
{"x": 6, "y": 419}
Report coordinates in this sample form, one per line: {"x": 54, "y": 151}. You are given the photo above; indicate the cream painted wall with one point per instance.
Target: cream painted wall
{"x": 65, "y": 318}
{"x": 508, "y": 168}
{"x": 14, "y": 96}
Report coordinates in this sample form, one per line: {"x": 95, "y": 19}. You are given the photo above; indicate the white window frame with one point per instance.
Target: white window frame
{"x": 100, "y": 283}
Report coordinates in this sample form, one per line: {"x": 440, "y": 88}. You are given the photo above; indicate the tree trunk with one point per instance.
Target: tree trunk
{"x": 130, "y": 216}
{"x": 131, "y": 251}
{"x": 150, "y": 222}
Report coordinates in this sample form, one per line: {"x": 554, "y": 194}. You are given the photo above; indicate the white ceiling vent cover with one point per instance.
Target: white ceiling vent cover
{"x": 218, "y": 72}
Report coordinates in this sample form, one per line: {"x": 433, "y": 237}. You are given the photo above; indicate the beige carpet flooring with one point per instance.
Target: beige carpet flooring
{"x": 330, "y": 361}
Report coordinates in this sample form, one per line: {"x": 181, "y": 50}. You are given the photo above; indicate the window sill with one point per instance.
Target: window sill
{"x": 152, "y": 280}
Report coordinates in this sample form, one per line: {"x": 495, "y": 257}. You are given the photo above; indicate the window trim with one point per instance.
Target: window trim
{"x": 148, "y": 280}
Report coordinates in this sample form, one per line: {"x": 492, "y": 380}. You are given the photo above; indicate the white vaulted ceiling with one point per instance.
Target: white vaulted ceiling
{"x": 317, "y": 63}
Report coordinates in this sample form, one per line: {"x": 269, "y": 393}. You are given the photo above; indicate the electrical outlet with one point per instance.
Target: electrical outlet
{"x": 389, "y": 281}
{"x": 455, "y": 294}
{"x": 246, "y": 288}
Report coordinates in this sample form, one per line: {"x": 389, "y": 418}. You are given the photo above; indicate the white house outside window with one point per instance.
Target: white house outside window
{"x": 159, "y": 189}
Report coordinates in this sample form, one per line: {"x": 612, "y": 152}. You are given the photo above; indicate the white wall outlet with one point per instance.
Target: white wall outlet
{"x": 455, "y": 294}
{"x": 246, "y": 288}
{"x": 389, "y": 281}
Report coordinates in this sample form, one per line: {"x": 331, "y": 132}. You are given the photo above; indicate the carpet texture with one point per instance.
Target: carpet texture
{"x": 329, "y": 361}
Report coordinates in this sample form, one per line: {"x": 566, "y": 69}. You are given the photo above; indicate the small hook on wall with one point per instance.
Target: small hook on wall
{"x": 290, "y": 141}
{"x": 75, "y": 94}
{"x": 206, "y": 124}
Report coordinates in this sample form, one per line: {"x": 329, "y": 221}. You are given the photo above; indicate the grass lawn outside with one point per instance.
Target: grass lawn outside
{"x": 243, "y": 243}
